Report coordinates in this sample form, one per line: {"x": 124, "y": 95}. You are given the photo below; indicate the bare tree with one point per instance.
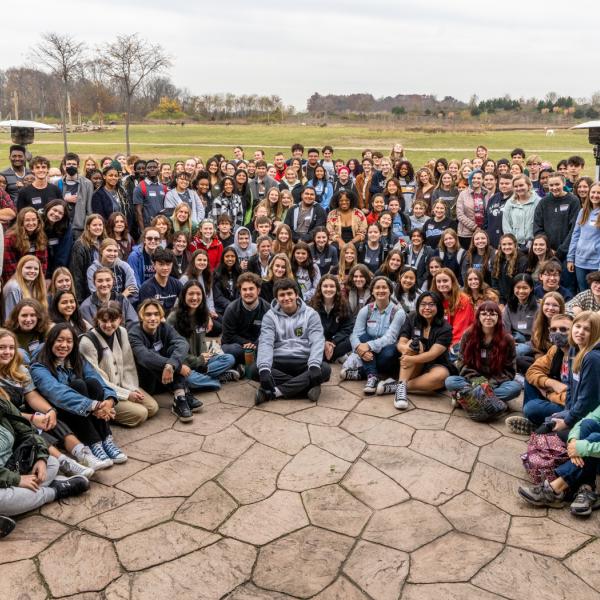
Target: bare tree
{"x": 65, "y": 57}
{"x": 129, "y": 61}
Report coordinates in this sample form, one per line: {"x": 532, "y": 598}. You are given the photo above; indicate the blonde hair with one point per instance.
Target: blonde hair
{"x": 35, "y": 290}
{"x": 593, "y": 318}
{"x": 288, "y": 267}
{"x": 13, "y": 369}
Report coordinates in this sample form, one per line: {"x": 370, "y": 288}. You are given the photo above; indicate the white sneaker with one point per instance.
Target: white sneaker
{"x": 401, "y": 399}
{"x": 70, "y": 467}
{"x": 87, "y": 459}
{"x": 371, "y": 386}
{"x": 387, "y": 386}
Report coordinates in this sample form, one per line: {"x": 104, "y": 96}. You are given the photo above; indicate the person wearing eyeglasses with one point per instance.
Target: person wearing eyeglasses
{"x": 487, "y": 350}
{"x": 140, "y": 259}
{"x": 545, "y": 388}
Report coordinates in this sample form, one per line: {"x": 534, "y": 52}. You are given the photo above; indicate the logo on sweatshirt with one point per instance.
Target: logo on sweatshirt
{"x": 298, "y": 331}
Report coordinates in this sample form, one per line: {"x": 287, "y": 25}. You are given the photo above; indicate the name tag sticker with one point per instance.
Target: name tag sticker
{"x": 522, "y": 325}
{"x": 483, "y": 353}
{"x": 36, "y": 201}
{"x": 157, "y": 346}
{"x": 53, "y": 242}
{"x": 151, "y": 193}
{"x": 564, "y": 207}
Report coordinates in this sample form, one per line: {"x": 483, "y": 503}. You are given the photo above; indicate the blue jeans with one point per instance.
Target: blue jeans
{"x": 385, "y": 362}
{"x": 535, "y": 407}
{"x": 581, "y": 274}
{"x": 568, "y": 279}
{"x": 209, "y": 382}
{"x": 576, "y": 476}
{"x": 506, "y": 391}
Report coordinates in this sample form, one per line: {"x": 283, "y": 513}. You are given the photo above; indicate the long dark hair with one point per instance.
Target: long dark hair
{"x": 340, "y": 305}
{"x": 474, "y": 337}
{"x": 223, "y": 274}
{"x": 532, "y": 260}
{"x": 412, "y": 293}
{"x": 309, "y": 265}
{"x": 186, "y": 322}
{"x": 77, "y": 321}
{"x": 513, "y": 301}
{"x": 192, "y": 271}
{"x": 439, "y": 319}
{"x": 472, "y": 251}
{"x": 60, "y": 228}
{"x": 47, "y": 358}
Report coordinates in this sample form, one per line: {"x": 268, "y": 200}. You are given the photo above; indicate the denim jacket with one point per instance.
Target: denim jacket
{"x": 382, "y": 327}
{"x": 57, "y": 391}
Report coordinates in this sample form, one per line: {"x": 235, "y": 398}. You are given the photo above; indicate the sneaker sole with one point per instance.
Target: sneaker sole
{"x": 518, "y": 427}
{"x": 6, "y": 526}
{"x": 119, "y": 461}
{"x": 370, "y": 391}
{"x": 182, "y": 419}
{"x": 557, "y": 504}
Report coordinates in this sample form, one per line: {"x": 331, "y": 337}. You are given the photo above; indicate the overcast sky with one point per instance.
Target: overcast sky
{"x": 384, "y": 47}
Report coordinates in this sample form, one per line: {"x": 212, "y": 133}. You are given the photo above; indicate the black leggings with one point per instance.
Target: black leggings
{"x": 89, "y": 430}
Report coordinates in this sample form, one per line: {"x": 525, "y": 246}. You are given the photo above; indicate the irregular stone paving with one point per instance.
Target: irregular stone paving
{"x": 348, "y": 499}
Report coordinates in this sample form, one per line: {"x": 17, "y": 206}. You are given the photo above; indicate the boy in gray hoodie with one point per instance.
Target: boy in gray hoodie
{"x": 290, "y": 348}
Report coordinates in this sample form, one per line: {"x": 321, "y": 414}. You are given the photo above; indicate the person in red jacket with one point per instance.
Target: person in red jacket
{"x": 458, "y": 309}
{"x": 206, "y": 239}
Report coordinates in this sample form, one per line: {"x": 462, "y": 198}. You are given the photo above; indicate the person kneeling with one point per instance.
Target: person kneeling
{"x": 487, "y": 351}
{"x": 289, "y": 361}
{"x": 27, "y": 484}
{"x": 425, "y": 340}
{"x": 107, "y": 349}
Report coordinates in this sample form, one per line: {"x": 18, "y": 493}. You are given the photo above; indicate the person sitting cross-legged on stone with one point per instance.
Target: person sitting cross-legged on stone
{"x": 289, "y": 361}
{"x": 159, "y": 355}
{"x": 106, "y": 347}
{"x": 577, "y": 474}
{"x": 374, "y": 337}
{"x": 546, "y": 380}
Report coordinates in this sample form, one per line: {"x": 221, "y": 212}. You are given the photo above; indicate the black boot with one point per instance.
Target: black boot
{"x": 72, "y": 486}
{"x": 6, "y": 525}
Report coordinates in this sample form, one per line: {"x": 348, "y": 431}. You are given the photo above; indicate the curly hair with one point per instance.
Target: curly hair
{"x": 340, "y": 304}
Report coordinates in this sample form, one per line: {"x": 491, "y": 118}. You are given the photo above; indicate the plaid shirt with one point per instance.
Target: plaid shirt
{"x": 12, "y": 256}
{"x": 232, "y": 205}
{"x": 584, "y": 300}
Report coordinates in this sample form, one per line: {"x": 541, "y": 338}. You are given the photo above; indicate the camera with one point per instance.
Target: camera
{"x": 415, "y": 344}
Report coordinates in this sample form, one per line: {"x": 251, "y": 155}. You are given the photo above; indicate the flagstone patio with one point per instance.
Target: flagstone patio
{"x": 347, "y": 499}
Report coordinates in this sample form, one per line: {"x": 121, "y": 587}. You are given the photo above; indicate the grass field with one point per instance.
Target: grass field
{"x": 171, "y": 142}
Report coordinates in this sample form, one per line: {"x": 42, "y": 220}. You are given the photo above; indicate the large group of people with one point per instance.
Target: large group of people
{"x": 123, "y": 277}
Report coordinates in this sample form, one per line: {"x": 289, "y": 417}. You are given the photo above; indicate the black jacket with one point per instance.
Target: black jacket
{"x": 556, "y": 218}
{"x": 242, "y": 326}
{"x": 336, "y": 330}
{"x": 154, "y": 352}
{"x": 319, "y": 218}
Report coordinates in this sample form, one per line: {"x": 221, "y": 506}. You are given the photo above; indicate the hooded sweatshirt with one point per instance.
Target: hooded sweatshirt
{"x": 247, "y": 252}
{"x": 299, "y": 335}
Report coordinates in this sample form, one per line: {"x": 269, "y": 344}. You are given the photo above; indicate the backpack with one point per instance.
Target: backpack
{"x": 479, "y": 401}
{"x": 371, "y": 308}
{"x": 144, "y": 188}
{"x": 90, "y": 335}
{"x": 544, "y": 453}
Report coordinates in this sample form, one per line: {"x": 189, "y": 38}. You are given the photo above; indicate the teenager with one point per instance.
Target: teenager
{"x": 589, "y": 299}
{"x": 324, "y": 254}
{"x": 27, "y": 282}
{"x": 417, "y": 254}
{"x": 480, "y": 256}
{"x": 435, "y": 226}
{"x": 519, "y": 314}
{"x": 446, "y": 192}
{"x": 106, "y": 347}
{"x": 458, "y": 310}
{"x": 104, "y": 292}
{"x": 549, "y": 280}
{"x": 304, "y": 218}
{"x": 41, "y": 191}
{"x": 323, "y": 189}
{"x": 159, "y": 353}
{"x": 583, "y": 256}
{"x": 407, "y": 290}
{"x": 519, "y": 211}
{"x": 289, "y": 360}
{"x": 336, "y": 318}
{"x": 111, "y": 197}
{"x": 487, "y": 350}
{"x": 374, "y": 338}
{"x": 182, "y": 193}
{"x": 225, "y": 277}
{"x": 358, "y": 287}
{"x": 279, "y": 268}
{"x": 475, "y": 287}
{"x": 451, "y": 253}
{"x": 123, "y": 275}
{"x": 118, "y": 230}
{"x": 508, "y": 262}
{"x": 190, "y": 319}
{"x": 371, "y": 252}
{"x": 243, "y": 318}
{"x": 550, "y": 305}
{"x": 80, "y": 396}
{"x": 494, "y": 210}
{"x": 205, "y": 239}
{"x": 65, "y": 309}
{"x": 305, "y": 272}
{"x": 86, "y": 249}
{"x": 59, "y": 234}
{"x": 539, "y": 252}
{"x": 423, "y": 343}
{"x": 26, "y": 236}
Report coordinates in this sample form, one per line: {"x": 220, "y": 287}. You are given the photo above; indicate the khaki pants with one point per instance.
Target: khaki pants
{"x": 132, "y": 414}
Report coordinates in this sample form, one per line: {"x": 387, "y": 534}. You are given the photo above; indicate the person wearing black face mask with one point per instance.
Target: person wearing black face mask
{"x": 76, "y": 192}
{"x": 545, "y": 389}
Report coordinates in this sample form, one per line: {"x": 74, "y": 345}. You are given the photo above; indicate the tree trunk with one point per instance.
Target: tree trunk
{"x": 127, "y": 145}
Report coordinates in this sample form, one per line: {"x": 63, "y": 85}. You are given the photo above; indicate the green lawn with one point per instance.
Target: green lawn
{"x": 169, "y": 142}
